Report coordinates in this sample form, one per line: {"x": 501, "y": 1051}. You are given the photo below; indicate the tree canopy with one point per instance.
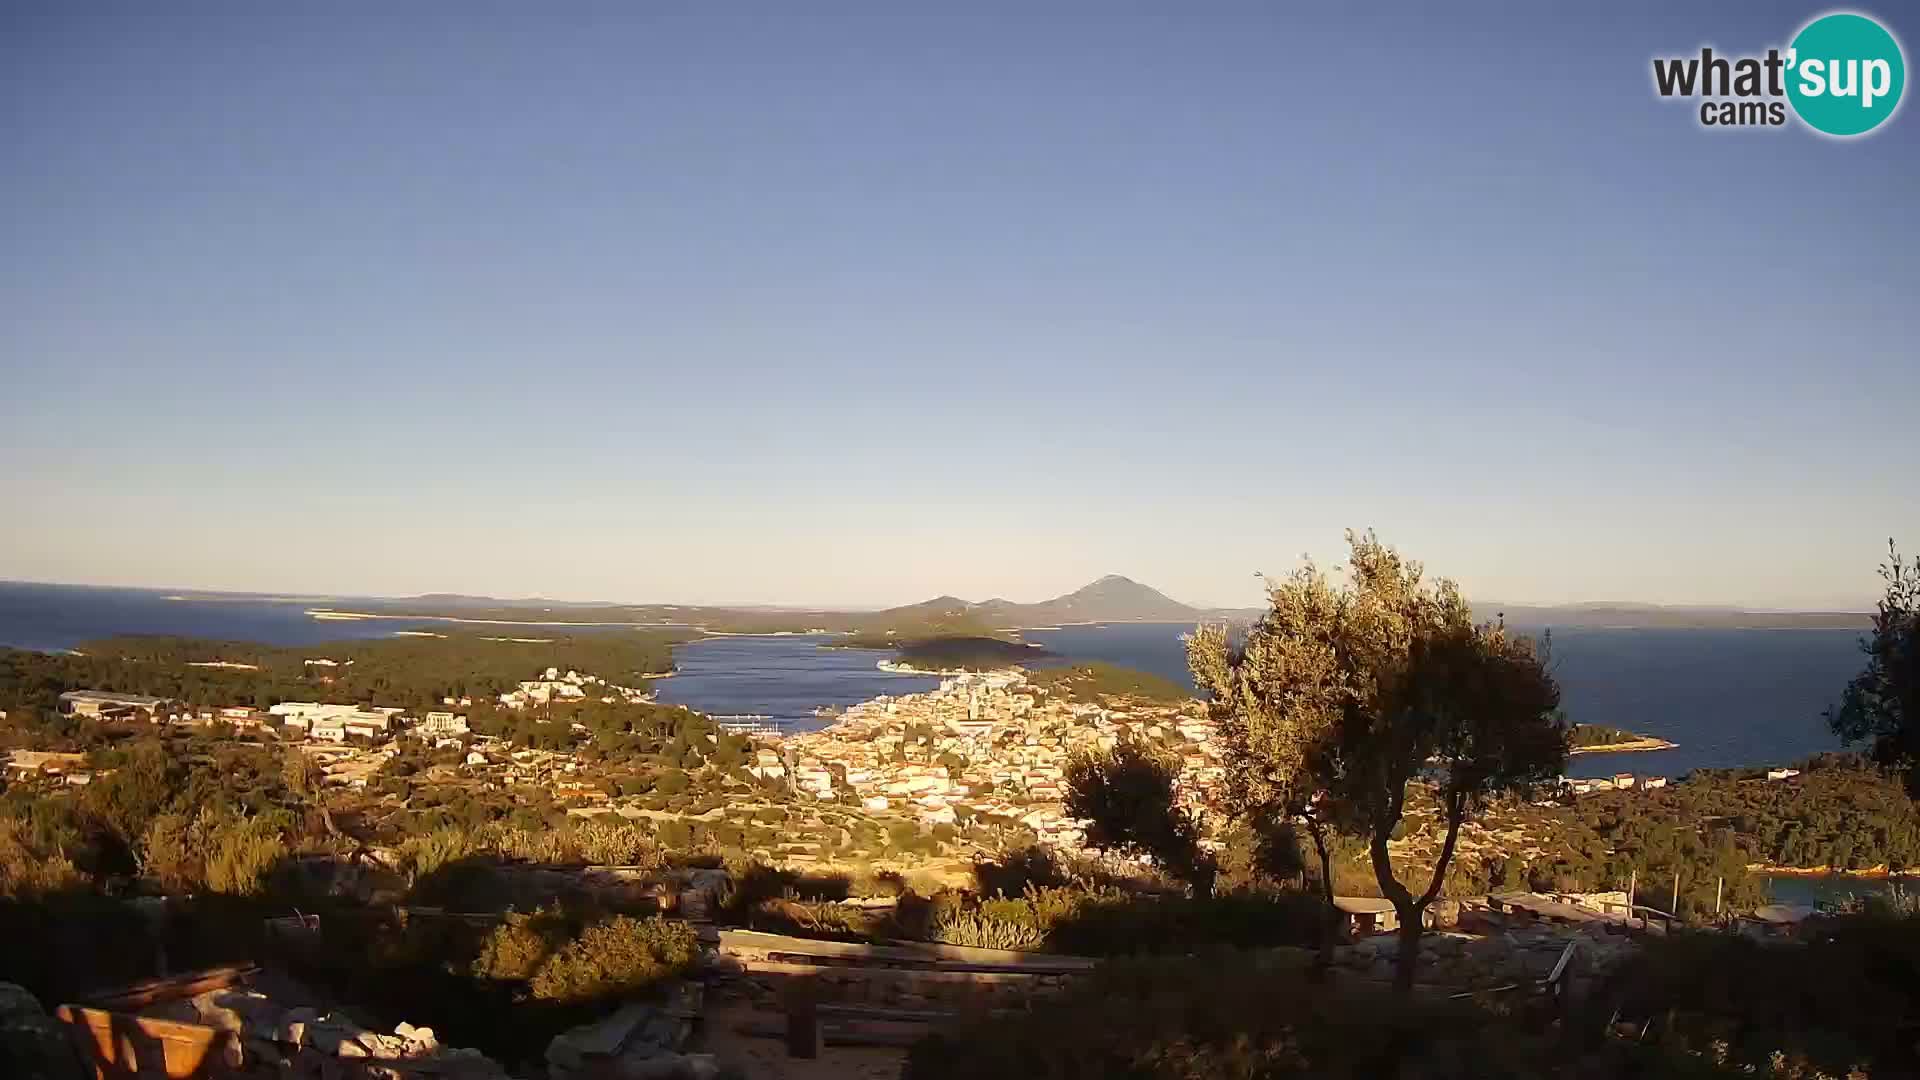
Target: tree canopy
{"x": 1342, "y": 694}
{"x": 1127, "y": 799}
{"x": 1881, "y": 705}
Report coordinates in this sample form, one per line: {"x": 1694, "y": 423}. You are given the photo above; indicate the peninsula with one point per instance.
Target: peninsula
{"x": 1598, "y": 739}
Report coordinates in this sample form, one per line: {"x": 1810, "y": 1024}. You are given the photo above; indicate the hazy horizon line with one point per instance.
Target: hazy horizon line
{"x": 302, "y": 595}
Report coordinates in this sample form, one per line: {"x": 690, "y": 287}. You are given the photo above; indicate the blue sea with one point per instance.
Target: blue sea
{"x": 50, "y": 618}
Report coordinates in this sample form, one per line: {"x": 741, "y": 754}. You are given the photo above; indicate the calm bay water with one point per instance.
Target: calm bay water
{"x": 785, "y": 678}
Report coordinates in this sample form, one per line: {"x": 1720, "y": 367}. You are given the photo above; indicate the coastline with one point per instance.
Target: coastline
{"x": 330, "y": 615}
{"x": 1631, "y": 746}
{"x": 895, "y": 667}
{"x": 1871, "y": 873}
{"x": 706, "y": 633}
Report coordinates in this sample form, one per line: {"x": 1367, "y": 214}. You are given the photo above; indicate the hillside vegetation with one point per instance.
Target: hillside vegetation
{"x": 408, "y": 672}
{"x": 1102, "y": 682}
{"x": 1707, "y": 831}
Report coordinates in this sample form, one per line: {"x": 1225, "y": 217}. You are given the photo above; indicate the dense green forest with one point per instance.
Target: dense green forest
{"x": 409, "y": 672}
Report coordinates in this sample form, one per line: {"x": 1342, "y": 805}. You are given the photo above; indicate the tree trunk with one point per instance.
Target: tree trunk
{"x": 1330, "y": 918}
{"x": 1326, "y": 861}
{"x": 1407, "y": 963}
{"x": 1405, "y": 906}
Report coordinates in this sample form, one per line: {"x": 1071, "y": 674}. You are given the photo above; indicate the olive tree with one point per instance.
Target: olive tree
{"x": 1347, "y": 698}
{"x": 1882, "y": 703}
{"x": 1273, "y": 713}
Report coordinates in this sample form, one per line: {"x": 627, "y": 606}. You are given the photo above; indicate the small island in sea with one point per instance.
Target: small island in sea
{"x": 1600, "y": 739}
{"x": 952, "y": 655}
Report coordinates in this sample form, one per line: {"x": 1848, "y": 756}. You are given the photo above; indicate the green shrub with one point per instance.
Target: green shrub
{"x": 1245, "y": 1017}
{"x": 615, "y": 844}
{"x": 212, "y": 850}
{"x": 167, "y": 856}
{"x": 619, "y": 956}
{"x": 28, "y": 870}
{"x": 984, "y": 929}
{"x": 425, "y": 855}
{"x": 515, "y": 950}
{"x": 811, "y": 918}
{"x": 1108, "y": 921}
{"x": 243, "y": 852}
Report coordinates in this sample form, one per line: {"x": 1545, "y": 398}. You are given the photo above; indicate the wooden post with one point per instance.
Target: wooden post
{"x": 1633, "y": 879}
{"x": 803, "y": 1017}
{"x": 1673, "y": 909}
{"x": 1719, "y": 890}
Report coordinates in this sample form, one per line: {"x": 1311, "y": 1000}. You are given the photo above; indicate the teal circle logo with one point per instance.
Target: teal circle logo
{"x": 1845, "y": 74}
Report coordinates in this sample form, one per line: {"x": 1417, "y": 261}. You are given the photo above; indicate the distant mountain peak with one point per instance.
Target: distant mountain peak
{"x": 1113, "y": 598}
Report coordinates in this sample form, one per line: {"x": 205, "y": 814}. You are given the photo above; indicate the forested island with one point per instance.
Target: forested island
{"x": 1600, "y": 739}
{"x": 945, "y": 654}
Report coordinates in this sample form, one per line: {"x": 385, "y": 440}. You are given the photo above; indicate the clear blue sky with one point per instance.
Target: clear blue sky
{"x": 861, "y": 310}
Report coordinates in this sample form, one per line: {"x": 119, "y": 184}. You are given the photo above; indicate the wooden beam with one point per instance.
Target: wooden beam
{"x": 148, "y": 991}
{"x": 891, "y": 974}
{"x": 737, "y": 942}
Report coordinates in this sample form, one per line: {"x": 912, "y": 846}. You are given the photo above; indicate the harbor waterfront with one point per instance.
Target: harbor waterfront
{"x": 1725, "y": 698}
